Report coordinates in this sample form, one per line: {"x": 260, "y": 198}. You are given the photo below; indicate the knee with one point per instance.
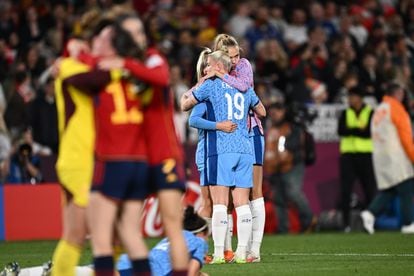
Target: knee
{"x": 76, "y": 234}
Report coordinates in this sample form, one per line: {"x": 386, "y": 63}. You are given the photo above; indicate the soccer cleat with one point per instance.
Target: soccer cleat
{"x": 238, "y": 260}
{"x": 11, "y": 269}
{"x": 253, "y": 258}
{"x": 408, "y": 229}
{"x": 218, "y": 260}
{"x": 47, "y": 268}
{"x": 368, "y": 221}
{"x": 228, "y": 256}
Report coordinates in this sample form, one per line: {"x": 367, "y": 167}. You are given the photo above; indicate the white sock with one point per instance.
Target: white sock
{"x": 208, "y": 225}
{"x": 258, "y": 223}
{"x": 219, "y": 228}
{"x": 244, "y": 229}
{"x": 229, "y": 233}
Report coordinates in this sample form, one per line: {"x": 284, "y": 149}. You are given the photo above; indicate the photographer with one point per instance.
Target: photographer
{"x": 285, "y": 165}
{"x": 24, "y": 167}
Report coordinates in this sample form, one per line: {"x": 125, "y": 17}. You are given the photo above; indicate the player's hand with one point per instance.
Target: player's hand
{"x": 226, "y": 126}
{"x": 211, "y": 73}
{"x": 111, "y": 63}
{"x": 77, "y": 46}
{"x": 54, "y": 70}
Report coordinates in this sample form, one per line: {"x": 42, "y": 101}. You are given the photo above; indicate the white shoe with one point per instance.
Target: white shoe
{"x": 408, "y": 229}
{"x": 253, "y": 258}
{"x": 368, "y": 221}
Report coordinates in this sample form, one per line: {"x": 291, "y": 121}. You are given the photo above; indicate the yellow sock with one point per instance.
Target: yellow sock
{"x": 118, "y": 250}
{"x": 65, "y": 259}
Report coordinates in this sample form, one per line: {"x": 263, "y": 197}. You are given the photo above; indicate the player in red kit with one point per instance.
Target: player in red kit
{"x": 165, "y": 154}
{"x": 120, "y": 183}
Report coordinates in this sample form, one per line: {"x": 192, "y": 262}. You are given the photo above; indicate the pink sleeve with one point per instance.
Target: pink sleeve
{"x": 241, "y": 77}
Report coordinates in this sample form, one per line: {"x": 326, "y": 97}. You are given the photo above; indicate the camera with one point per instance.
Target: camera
{"x": 301, "y": 115}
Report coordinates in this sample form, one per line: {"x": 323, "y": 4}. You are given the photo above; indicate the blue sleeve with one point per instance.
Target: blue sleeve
{"x": 196, "y": 119}
{"x": 199, "y": 249}
{"x": 254, "y": 99}
{"x": 203, "y": 91}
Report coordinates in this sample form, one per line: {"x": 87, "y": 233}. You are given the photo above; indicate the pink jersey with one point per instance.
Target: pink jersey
{"x": 241, "y": 78}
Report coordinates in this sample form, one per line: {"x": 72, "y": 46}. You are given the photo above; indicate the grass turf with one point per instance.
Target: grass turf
{"x": 385, "y": 253}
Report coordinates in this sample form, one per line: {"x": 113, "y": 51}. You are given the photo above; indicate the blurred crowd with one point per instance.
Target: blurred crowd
{"x": 302, "y": 52}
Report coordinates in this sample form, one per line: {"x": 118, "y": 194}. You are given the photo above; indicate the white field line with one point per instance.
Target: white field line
{"x": 410, "y": 255}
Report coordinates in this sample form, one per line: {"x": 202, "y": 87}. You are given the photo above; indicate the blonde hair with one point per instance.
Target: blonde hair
{"x": 223, "y": 57}
{"x": 202, "y": 62}
{"x": 223, "y": 41}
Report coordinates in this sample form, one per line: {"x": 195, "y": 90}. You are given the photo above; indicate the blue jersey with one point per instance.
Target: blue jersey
{"x": 227, "y": 103}
{"x": 159, "y": 256}
{"x": 197, "y": 120}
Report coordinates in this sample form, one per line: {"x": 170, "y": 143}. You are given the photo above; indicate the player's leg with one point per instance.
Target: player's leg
{"x": 110, "y": 184}
{"x": 101, "y": 214}
{"x": 244, "y": 221}
{"x": 129, "y": 231}
{"x": 221, "y": 173}
{"x": 243, "y": 181}
{"x": 168, "y": 181}
{"x": 219, "y": 195}
{"x": 257, "y": 207}
{"x": 206, "y": 207}
{"x": 69, "y": 249}
{"x": 171, "y": 213}
{"x": 228, "y": 242}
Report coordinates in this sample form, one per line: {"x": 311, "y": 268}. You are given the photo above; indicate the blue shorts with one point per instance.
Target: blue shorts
{"x": 121, "y": 180}
{"x": 203, "y": 177}
{"x": 168, "y": 175}
{"x": 258, "y": 143}
{"x": 231, "y": 170}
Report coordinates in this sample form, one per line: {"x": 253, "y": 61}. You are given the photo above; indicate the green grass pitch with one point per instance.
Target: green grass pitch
{"x": 385, "y": 253}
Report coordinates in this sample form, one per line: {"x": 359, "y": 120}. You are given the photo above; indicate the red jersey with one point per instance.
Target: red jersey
{"x": 118, "y": 116}
{"x": 161, "y": 138}
{"x": 119, "y": 123}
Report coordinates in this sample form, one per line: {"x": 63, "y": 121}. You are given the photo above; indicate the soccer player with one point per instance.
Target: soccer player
{"x": 165, "y": 154}
{"x": 230, "y": 158}
{"x": 241, "y": 78}
{"x": 74, "y": 165}
{"x": 197, "y": 120}
{"x": 195, "y": 233}
{"x": 120, "y": 172}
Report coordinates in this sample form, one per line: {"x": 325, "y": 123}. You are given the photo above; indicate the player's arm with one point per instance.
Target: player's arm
{"x": 244, "y": 78}
{"x": 94, "y": 81}
{"x": 196, "y": 120}
{"x": 200, "y": 94}
{"x": 154, "y": 72}
{"x": 194, "y": 268}
{"x": 257, "y": 106}
{"x": 187, "y": 102}
{"x": 259, "y": 109}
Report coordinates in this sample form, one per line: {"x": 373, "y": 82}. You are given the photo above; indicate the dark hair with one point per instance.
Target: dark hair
{"x": 124, "y": 44}
{"x": 123, "y": 41}
{"x": 392, "y": 87}
{"x": 193, "y": 222}
{"x": 357, "y": 90}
